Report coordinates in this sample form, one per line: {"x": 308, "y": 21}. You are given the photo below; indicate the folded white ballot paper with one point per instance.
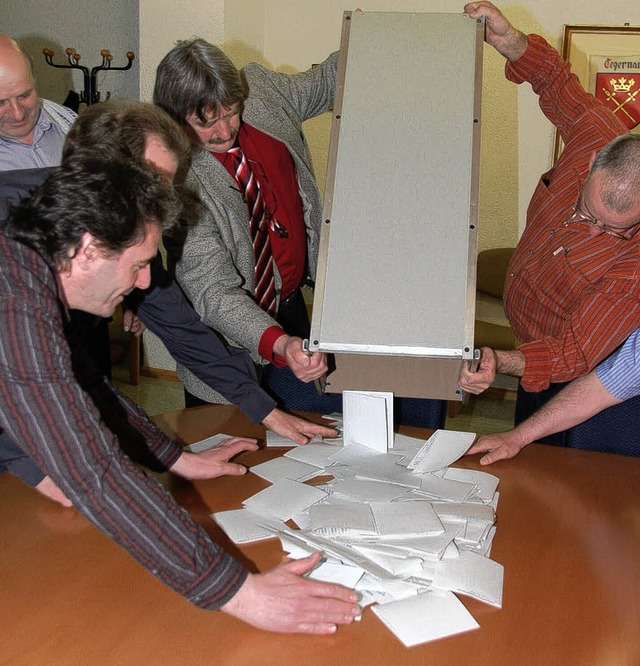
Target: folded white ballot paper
{"x": 243, "y": 526}
{"x": 426, "y": 617}
{"x": 487, "y": 483}
{"x": 441, "y": 449}
{"x": 362, "y": 490}
{"x": 318, "y": 455}
{"x": 439, "y": 487}
{"x": 471, "y": 574}
{"x": 342, "y": 574}
{"x": 368, "y": 419}
{"x": 208, "y": 443}
{"x": 285, "y": 468}
{"x": 284, "y": 499}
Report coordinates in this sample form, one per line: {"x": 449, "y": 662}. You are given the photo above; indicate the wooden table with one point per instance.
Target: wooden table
{"x": 568, "y": 536}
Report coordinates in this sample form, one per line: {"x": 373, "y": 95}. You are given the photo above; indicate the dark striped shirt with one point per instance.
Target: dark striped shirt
{"x": 572, "y": 298}
{"x": 43, "y": 407}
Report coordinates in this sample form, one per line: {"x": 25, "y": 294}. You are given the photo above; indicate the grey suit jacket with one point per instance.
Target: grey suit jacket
{"x": 216, "y": 266}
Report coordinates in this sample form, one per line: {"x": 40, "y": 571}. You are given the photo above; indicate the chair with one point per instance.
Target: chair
{"x": 492, "y": 328}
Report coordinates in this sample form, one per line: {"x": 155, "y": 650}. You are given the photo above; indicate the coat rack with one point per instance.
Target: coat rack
{"x": 90, "y": 94}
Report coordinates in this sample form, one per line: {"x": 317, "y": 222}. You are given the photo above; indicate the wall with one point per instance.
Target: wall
{"x": 516, "y": 138}
{"x": 163, "y": 22}
{"x": 88, "y": 27}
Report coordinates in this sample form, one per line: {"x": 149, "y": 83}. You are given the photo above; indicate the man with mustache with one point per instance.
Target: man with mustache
{"x": 244, "y": 261}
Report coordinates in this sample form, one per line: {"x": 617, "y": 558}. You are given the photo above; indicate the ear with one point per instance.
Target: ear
{"x": 592, "y": 159}
{"x": 86, "y": 253}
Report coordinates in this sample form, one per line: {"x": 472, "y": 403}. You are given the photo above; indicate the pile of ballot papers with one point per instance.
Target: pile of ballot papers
{"x": 398, "y": 525}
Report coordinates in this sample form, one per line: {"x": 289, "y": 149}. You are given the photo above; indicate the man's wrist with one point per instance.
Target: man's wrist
{"x": 267, "y": 345}
{"x": 516, "y": 47}
{"x": 510, "y": 363}
{"x": 280, "y": 345}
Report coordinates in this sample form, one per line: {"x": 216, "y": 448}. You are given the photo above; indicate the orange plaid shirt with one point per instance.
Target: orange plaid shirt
{"x": 572, "y": 298}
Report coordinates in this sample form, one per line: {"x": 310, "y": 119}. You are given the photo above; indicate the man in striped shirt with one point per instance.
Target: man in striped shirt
{"x": 144, "y": 133}
{"x": 84, "y": 240}
{"x": 572, "y": 293}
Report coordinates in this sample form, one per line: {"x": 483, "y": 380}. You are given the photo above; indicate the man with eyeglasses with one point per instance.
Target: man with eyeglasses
{"x": 572, "y": 293}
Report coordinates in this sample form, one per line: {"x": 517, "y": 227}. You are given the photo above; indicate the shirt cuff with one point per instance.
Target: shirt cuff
{"x": 169, "y": 453}
{"x": 265, "y": 346}
{"x": 257, "y": 405}
{"x": 537, "y": 367}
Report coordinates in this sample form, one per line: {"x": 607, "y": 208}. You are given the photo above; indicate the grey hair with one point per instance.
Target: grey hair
{"x": 196, "y": 77}
{"x": 618, "y": 163}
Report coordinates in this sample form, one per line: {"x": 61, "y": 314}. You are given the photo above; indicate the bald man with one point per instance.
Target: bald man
{"x": 32, "y": 130}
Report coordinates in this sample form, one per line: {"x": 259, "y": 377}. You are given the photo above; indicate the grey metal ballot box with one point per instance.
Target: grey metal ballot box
{"x": 395, "y": 287}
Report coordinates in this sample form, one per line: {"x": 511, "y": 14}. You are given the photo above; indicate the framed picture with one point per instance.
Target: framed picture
{"x": 606, "y": 59}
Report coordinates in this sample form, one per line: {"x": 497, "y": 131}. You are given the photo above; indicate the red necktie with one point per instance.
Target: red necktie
{"x": 265, "y": 288}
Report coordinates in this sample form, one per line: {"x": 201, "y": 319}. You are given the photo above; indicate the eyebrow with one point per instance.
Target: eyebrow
{"x": 211, "y": 121}
{"x": 20, "y": 94}
{"x": 145, "y": 262}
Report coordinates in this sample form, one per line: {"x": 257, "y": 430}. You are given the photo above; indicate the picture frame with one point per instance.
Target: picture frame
{"x": 606, "y": 60}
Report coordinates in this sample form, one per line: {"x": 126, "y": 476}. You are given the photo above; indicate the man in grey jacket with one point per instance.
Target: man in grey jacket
{"x": 249, "y": 124}
{"x": 256, "y": 114}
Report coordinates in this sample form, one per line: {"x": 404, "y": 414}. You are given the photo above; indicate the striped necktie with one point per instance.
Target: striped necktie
{"x": 265, "y": 288}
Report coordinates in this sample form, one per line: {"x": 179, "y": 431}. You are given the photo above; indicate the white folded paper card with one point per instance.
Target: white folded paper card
{"x": 313, "y": 454}
{"x": 285, "y": 468}
{"x": 241, "y": 526}
{"x": 424, "y": 618}
{"x": 208, "y": 443}
{"x": 368, "y": 419}
{"x": 284, "y": 499}
{"x": 441, "y": 449}
{"x": 471, "y": 574}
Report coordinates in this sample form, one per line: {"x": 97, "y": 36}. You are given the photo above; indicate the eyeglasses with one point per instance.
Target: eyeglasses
{"x": 580, "y": 217}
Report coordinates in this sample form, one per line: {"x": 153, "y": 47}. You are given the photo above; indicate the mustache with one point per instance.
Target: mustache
{"x": 219, "y": 142}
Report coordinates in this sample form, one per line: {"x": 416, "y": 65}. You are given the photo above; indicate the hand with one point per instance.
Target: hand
{"x": 49, "y": 489}
{"x": 295, "y": 428}
{"x": 282, "y": 600}
{"x": 305, "y": 366}
{"x": 132, "y": 323}
{"x": 500, "y": 446}
{"x": 499, "y": 33}
{"x": 213, "y": 462}
{"x": 479, "y": 381}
